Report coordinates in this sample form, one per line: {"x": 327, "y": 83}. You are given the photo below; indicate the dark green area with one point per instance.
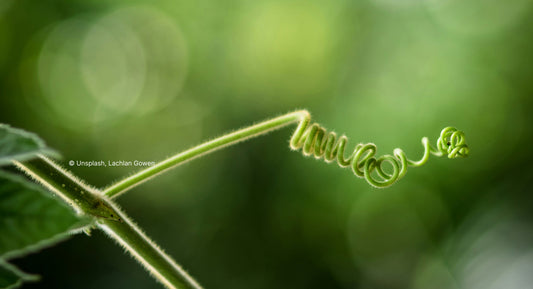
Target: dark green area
{"x": 11, "y": 277}
{"x": 110, "y": 80}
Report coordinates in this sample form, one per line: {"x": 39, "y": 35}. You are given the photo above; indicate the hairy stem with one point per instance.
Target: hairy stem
{"x": 89, "y": 202}
{"x": 205, "y": 148}
{"x": 315, "y": 140}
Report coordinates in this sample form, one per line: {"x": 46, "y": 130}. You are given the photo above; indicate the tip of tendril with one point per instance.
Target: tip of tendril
{"x": 453, "y": 143}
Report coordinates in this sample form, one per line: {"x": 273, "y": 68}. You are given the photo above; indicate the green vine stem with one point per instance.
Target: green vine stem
{"x": 313, "y": 140}
{"x": 89, "y": 202}
{"x": 205, "y": 148}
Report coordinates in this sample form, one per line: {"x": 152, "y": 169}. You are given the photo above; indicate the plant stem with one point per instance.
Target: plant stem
{"x": 205, "y": 148}
{"x": 159, "y": 264}
{"x": 88, "y": 201}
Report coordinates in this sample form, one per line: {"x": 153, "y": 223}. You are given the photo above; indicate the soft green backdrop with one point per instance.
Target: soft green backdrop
{"x": 129, "y": 80}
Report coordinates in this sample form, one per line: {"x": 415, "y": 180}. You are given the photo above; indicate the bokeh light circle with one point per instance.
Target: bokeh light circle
{"x": 491, "y": 249}
{"x": 97, "y": 68}
{"x": 113, "y": 64}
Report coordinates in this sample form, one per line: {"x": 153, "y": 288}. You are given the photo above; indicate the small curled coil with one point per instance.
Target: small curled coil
{"x": 317, "y": 141}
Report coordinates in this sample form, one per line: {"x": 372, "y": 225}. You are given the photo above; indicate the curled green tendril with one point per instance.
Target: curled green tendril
{"x": 317, "y": 141}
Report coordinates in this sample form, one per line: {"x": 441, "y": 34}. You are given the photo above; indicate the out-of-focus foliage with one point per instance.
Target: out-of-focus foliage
{"x": 20, "y": 145}
{"x": 131, "y": 80}
{"x": 31, "y": 217}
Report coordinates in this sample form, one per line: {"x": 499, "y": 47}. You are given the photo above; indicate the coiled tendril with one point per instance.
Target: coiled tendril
{"x": 317, "y": 141}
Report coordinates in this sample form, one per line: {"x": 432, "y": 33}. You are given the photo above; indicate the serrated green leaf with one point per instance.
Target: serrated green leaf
{"x": 31, "y": 218}
{"x": 20, "y": 145}
{"x": 11, "y": 277}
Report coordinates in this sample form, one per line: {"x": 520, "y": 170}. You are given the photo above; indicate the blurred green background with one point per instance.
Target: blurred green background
{"x": 129, "y": 80}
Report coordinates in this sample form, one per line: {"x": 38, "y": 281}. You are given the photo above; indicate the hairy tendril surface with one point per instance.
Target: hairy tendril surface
{"x": 315, "y": 140}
